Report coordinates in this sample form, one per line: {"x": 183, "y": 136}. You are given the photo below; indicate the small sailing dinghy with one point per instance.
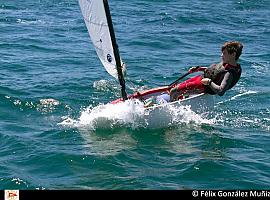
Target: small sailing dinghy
{"x": 98, "y": 21}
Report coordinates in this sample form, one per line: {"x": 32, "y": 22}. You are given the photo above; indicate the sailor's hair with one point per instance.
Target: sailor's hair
{"x": 233, "y": 46}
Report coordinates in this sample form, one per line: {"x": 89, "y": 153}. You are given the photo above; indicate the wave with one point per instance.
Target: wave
{"x": 237, "y": 96}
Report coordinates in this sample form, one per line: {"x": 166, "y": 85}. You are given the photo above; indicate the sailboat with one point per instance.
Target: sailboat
{"x": 99, "y": 24}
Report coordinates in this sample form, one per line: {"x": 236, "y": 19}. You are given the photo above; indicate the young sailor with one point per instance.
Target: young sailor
{"x": 217, "y": 79}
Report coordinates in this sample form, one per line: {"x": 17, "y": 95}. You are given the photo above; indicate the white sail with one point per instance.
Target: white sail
{"x": 96, "y": 22}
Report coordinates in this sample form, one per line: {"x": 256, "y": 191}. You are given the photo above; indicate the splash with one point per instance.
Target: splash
{"x": 126, "y": 113}
{"x": 47, "y": 105}
{"x": 43, "y": 105}
{"x": 132, "y": 114}
{"x": 184, "y": 114}
{"x": 104, "y": 85}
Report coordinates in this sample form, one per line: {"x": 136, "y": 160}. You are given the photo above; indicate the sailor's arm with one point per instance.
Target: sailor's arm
{"x": 219, "y": 89}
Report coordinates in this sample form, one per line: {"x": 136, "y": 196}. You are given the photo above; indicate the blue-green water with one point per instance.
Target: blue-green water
{"x": 51, "y": 83}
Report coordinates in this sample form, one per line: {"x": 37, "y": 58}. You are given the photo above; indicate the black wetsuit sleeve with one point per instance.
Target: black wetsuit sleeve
{"x": 225, "y": 84}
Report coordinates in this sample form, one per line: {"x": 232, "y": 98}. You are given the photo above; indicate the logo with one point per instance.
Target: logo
{"x": 109, "y": 57}
{"x": 11, "y": 194}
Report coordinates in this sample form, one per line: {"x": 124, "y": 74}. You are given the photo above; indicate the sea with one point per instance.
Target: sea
{"x": 58, "y": 132}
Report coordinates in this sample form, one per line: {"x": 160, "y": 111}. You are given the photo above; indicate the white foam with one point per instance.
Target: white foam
{"x": 132, "y": 114}
{"x": 109, "y": 115}
{"x": 28, "y": 22}
{"x": 237, "y": 96}
{"x": 47, "y": 105}
{"x": 104, "y": 85}
{"x": 243, "y": 94}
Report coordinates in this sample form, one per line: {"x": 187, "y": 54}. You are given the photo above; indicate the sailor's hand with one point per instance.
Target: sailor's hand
{"x": 206, "y": 81}
{"x": 124, "y": 69}
{"x": 193, "y": 69}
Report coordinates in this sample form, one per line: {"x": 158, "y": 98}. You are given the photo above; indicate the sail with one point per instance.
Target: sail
{"x": 96, "y": 22}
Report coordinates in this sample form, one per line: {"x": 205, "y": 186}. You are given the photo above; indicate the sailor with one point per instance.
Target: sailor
{"x": 217, "y": 79}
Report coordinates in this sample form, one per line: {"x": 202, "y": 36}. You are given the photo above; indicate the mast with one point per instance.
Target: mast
{"x": 115, "y": 51}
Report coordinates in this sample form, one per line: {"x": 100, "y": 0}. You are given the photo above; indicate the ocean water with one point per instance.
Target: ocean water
{"x": 57, "y": 133}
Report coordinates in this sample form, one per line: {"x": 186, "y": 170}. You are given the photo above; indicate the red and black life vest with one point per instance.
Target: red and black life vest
{"x": 216, "y": 73}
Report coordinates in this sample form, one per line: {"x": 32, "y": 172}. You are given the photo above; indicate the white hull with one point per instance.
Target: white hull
{"x": 198, "y": 103}
{"x": 163, "y": 115}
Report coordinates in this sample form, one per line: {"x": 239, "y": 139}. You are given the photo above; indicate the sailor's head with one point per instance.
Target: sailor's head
{"x": 232, "y": 48}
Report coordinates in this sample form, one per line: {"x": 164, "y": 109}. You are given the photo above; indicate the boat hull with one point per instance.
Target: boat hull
{"x": 197, "y": 102}
{"x": 162, "y": 115}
